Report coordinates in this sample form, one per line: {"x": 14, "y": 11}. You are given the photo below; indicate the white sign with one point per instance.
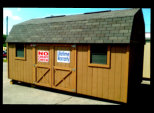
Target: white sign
{"x": 63, "y": 56}
{"x": 43, "y": 56}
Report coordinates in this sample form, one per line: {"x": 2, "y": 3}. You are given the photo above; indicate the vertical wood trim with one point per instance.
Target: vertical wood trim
{"x": 75, "y": 73}
{"x": 108, "y": 55}
{"x": 94, "y": 82}
{"x": 99, "y": 82}
{"x": 88, "y": 54}
{"x": 84, "y": 66}
{"x": 89, "y": 80}
{"x": 8, "y": 60}
{"x": 117, "y": 73}
{"x": 112, "y": 74}
{"x": 105, "y": 83}
{"x": 51, "y": 65}
{"x": 127, "y": 73}
{"x": 89, "y": 73}
{"x": 13, "y": 62}
{"x": 79, "y": 69}
{"x": 123, "y": 74}
{"x": 34, "y": 62}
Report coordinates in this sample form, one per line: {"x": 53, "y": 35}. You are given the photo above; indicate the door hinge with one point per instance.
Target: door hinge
{"x": 73, "y": 90}
{"x": 73, "y": 69}
{"x": 34, "y": 82}
{"x": 74, "y": 46}
{"x": 33, "y": 45}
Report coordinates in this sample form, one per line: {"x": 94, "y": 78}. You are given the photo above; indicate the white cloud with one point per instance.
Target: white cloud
{"x": 10, "y": 15}
{"x": 7, "y": 13}
{"x": 18, "y": 9}
{"x": 16, "y": 18}
{"x": 4, "y": 29}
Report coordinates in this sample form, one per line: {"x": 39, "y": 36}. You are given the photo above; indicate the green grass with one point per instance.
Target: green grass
{"x": 4, "y": 60}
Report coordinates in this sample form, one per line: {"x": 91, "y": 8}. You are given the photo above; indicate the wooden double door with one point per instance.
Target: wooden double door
{"x": 55, "y": 66}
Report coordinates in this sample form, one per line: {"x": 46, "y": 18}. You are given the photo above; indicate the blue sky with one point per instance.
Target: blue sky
{"x": 18, "y": 15}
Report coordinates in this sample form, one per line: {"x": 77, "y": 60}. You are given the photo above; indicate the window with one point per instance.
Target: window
{"x": 20, "y": 51}
{"x": 99, "y": 56}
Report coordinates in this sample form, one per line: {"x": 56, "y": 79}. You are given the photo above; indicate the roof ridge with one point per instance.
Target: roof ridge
{"x": 78, "y": 17}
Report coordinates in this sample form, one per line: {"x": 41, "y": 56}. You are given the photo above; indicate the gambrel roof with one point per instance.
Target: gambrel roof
{"x": 100, "y": 27}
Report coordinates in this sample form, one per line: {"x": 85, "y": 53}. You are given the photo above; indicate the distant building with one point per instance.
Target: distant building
{"x": 147, "y": 60}
{"x": 4, "y": 48}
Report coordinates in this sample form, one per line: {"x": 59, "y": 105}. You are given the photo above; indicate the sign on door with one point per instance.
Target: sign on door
{"x": 63, "y": 56}
{"x": 43, "y": 56}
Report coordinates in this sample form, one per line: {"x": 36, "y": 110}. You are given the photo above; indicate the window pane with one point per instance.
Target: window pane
{"x": 98, "y": 54}
{"x": 19, "y": 50}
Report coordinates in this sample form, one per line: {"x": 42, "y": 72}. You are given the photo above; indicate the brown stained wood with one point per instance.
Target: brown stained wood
{"x": 62, "y": 68}
{"x": 109, "y": 83}
{"x": 43, "y": 69}
{"x": 9, "y": 52}
{"x": 100, "y": 82}
{"x": 84, "y": 67}
{"x": 94, "y": 82}
{"x": 7, "y": 59}
{"x": 118, "y": 73}
{"x": 105, "y": 83}
{"x": 112, "y": 74}
{"x": 33, "y": 63}
{"x": 74, "y": 78}
{"x": 62, "y": 79}
{"x": 19, "y": 68}
{"x": 124, "y": 76}
{"x": 89, "y": 80}
{"x": 20, "y": 73}
{"x": 23, "y": 73}
{"x": 15, "y": 66}
{"x": 29, "y": 56}
{"x": 59, "y": 67}
{"x": 79, "y": 69}
{"x": 108, "y": 80}
{"x": 13, "y": 62}
{"x": 67, "y": 79}
{"x": 50, "y": 63}
{"x": 70, "y": 80}
{"x": 43, "y": 74}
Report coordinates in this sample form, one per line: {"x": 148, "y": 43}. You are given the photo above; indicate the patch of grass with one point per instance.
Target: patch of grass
{"x": 4, "y": 59}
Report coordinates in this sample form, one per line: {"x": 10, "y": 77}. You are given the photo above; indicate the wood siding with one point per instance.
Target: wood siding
{"x": 108, "y": 83}
{"x": 20, "y": 70}
{"x": 103, "y": 82}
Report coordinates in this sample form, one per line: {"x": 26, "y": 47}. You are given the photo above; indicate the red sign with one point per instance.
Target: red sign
{"x": 43, "y": 56}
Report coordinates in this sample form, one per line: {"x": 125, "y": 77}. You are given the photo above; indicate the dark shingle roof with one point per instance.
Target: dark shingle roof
{"x": 105, "y": 27}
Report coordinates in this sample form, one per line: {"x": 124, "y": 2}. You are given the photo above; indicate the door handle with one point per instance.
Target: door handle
{"x": 73, "y": 69}
{"x": 34, "y": 65}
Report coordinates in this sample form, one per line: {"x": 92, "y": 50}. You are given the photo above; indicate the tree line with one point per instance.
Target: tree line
{"x": 4, "y": 39}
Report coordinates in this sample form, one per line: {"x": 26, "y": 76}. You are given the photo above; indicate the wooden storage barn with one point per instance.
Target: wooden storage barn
{"x": 98, "y": 54}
